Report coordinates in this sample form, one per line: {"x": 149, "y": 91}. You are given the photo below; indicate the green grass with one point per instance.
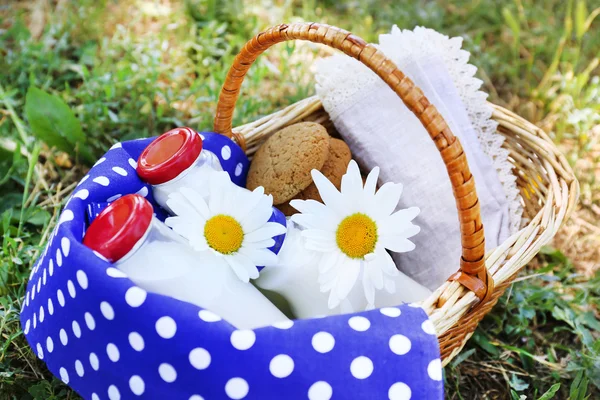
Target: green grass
{"x": 128, "y": 69}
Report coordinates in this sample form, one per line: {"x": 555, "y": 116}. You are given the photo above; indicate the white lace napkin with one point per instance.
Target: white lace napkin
{"x": 382, "y": 132}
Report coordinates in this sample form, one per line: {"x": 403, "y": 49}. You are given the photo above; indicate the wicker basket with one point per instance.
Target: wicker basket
{"x": 548, "y": 185}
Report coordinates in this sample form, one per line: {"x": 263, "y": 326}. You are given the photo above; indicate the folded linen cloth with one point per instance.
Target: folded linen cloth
{"x": 381, "y": 131}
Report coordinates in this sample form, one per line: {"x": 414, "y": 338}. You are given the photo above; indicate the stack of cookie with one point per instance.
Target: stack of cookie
{"x": 282, "y": 165}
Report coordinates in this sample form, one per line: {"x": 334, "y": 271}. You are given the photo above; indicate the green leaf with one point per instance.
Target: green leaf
{"x": 38, "y": 217}
{"x": 578, "y": 389}
{"x": 550, "y": 392}
{"x": 580, "y": 17}
{"x": 517, "y": 383}
{"x": 52, "y": 121}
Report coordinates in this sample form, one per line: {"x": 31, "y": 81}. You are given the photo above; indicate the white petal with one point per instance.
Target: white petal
{"x": 267, "y": 231}
{"x": 348, "y": 276}
{"x": 240, "y": 269}
{"x": 330, "y": 195}
{"x": 333, "y": 300}
{"x": 352, "y": 183}
{"x": 309, "y": 221}
{"x": 179, "y": 204}
{"x": 386, "y": 263}
{"x": 371, "y": 182}
{"x": 262, "y": 257}
{"x": 219, "y": 182}
{"x": 250, "y": 201}
{"x": 264, "y": 244}
{"x": 390, "y": 286}
{"x": 368, "y": 289}
{"x": 399, "y": 223}
{"x": 309, "y": 207}
{"x": 259, "y": 215}
{"x": 396, "y": 244}
{"x": 328, "y": 261}
{"x": 197, "y": 201}
{"x": 386, "y": 199}
{"x": 321, "y": 246}
{"x": 375, "y": 272}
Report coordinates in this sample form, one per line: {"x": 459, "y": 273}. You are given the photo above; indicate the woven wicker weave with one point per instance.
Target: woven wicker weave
{"x": 546, "y": 180}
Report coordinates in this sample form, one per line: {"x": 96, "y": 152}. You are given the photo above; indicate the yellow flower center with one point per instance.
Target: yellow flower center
{"x": 224, "y": 234}
{"x": 356, "y": 235}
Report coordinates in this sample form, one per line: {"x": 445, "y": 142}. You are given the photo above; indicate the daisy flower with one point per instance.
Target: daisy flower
{"x": 353, "y": 230}
{"x": 230, "y": 228}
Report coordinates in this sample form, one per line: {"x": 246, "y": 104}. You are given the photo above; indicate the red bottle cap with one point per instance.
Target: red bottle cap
{"x": 169, "y": 155}
{"x": 115, "y": 231}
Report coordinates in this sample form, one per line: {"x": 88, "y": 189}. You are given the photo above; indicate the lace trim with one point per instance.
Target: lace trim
{"x": 338, "y": 93}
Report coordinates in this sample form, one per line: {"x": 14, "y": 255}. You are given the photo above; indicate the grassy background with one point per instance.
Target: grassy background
{"x": 116, "y": 70}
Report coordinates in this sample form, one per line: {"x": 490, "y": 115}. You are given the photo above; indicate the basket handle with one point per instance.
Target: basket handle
{"x": 472, "y": 273}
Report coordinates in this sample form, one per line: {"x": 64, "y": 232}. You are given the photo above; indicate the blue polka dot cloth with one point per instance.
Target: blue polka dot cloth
{"x": 109, "y": 339}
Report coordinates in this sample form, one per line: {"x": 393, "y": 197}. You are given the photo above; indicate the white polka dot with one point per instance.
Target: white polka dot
{"x": 50, "y": 306}
{"x": 79, "y": 368}
{"x": 113, "y": 393}
{"x": 116, "y": 146}
{"x": 27, "y": 299}
{"x": 76, "y": 329}
{"x": 201, "y": 136}
{"x": 64, "y": 375}
{"x": 34, "y": 320}
{"x": 42, "y": 315}
{"x": 400, "y": 344}
{"x": 281, "y": 366}
{"x": 100, "y": 256}
{"x": 100, "y": 161}
{"x": 361, "y": 367}
{"x": 434, "y": 369}
{"x": 85, "y": 178}
{"x": 208, "y": 316}
{"x": 26, "y": 331}
{"x": 90, "y": 321}
{"x": 135, "y": 296}
{"x": 33, "y": 293}
{"x": 239, "y": 168}
{"x": 414, "y": 305}
{"x": 40, "y": 351}
{"x": 71, "y": 288}
{"x": 428, "y": 327}
{"x": 243, "y": 339}
{"x": 51, "y": 268}
{"x": 359, "y": 323}
{"x": 113, "y": 198}
{"x": 82, "y": 194}
{"x": 166, "y": 327}
{"x": 399, "y": 391}
{"x": 64, "y": 339}
{"x": 137, "y": 385}
{"x": 45, "y": 277}
{"x": 101, "y": 180}
{"x": 39, "y": 284}
{"x": 167, "y": 372}
{"x": 199, "y": 358}
{"x": 60, "y": 297}
{"x": 320, "y": 391}
{"x": 236, "y": 388}
{"x": 66, "y": 216}
{"x": 94, "y": 362}
{"x": 65, "y": 245}
{"x": 285, "y": 324}
{"x": 58, "y": 258}
{"x": 49, "y": 344}
{"x": 132, "y": 162}
{"x": 226, "y": 152}
{"x": 136, "y": 341}
{"x": 107, "y": 310}
{"x": 143, "y": 192}
{"x": 391, "y": 311}
{"x": 115, "y": 273}
{"x": 120, "y": 171}
{"x": 323, "y": 342}
{"x": 196, "y": 397}
{"x": 82, "y": 279}
{"x": 112, "y": 352}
